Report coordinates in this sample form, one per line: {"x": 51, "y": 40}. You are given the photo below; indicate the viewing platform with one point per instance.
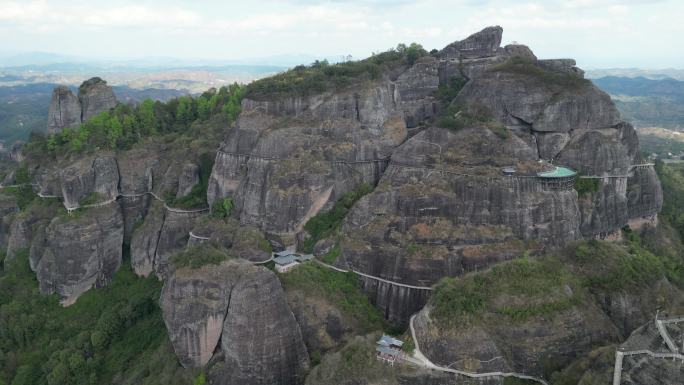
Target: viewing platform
{"x": 562, "y": 178}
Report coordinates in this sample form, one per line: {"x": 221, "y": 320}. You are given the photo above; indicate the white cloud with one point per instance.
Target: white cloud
{"x": 582, "y": 28}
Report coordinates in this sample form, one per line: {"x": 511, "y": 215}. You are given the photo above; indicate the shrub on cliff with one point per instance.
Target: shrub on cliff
{"x": 528, "y": 68}
{"x": 199, "y": 255}
{"x": 324, "y": 224}
{"x": 321, "y": 76}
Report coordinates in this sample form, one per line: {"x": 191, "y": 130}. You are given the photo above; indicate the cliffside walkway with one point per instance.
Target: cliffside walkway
{"x": 419, "y": 356}
{"x": 109, "y": 201}
{"x": 372, "y": 277}
{"x": 641, "y": 166}
{"x": 675, "y": 353}
{"x": 334, "y": 161}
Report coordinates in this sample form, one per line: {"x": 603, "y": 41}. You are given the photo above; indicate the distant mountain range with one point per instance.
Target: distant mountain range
{"x": 647, "y": 102}
{"x": 636, "y": 72}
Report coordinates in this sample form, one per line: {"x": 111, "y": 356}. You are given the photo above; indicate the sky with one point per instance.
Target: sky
{"x": 597, "y": 33}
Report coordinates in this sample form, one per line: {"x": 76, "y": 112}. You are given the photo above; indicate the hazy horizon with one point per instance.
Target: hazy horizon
{"x": 598, "y": 34}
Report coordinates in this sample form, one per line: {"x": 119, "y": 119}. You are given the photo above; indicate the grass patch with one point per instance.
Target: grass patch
{"x": 458, "y": 116}
{"x": 341, "y": 289}
{"x": 325, "y": 224}
{"x": 92, "y": 198}
{"x": 531, "y": 288}
{"x": 199, "y": 255}
{"x": 331, "y": 256}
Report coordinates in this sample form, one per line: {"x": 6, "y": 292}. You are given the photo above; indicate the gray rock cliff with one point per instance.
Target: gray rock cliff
{"x": 243, "y": 307}
{"x": 65, "y": 110}
{"x": 95, "y": 97}
{"x": 80, "y": 252}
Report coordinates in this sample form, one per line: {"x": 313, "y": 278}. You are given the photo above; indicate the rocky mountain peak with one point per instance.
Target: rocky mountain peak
{"x": 69, "y": 110}
{"x": 65, "y": 109}
{"x": 95, "y": 96}
{"x": 480, "y": 44}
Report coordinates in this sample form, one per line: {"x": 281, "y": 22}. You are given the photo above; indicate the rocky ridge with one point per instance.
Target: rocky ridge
{"x": 69, "y": 110}
{"x": 441, "y": 206}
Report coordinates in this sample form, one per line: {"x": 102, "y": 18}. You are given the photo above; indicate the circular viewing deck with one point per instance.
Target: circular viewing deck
{"x": 561, "y": 178}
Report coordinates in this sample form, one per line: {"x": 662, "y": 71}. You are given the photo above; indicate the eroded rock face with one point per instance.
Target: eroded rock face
{"x": 543, "y": 105}
{"x": 481, "y": 44}
{"x": 65, "y": 110}
{"x": 95, "y": 97}
{"x": 261, "y": 340}
{"x": 8, "y": 207}
{"x": 245, "y": 308}
{"x": 25, "y": 227}
{"x": 145, "y": 239}
{"x": 85, "y": 177}
{"x": 194, "y": 304}
{"x": 80, "y": 252}
{"x": 279, "y": 178}
{"x": 432, "y": 216}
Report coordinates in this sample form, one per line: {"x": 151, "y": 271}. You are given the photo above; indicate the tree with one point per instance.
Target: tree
{"x": 184, "y": 111}
{"x": 148, "y": 121}
{"x": 114, "y": 132}
{"x": 203, "y": 108}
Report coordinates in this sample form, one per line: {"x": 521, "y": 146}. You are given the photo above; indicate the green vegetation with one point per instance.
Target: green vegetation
{"x": 93, "y": 197}
{"x": 198, "y": 195}
{"x": 526, "y": 67}
{"x": 446, "y": 93}
{"x": 355, "y": 363}
{"x": 612, "y": 267}
{"x": 325, "y": 224}
{"x": 113, "y": 335}
{"x": 536, "y": 284}
{"x": 586, "y": 186}
{"x": 525, "y": 288}
{"x": 222, "y": 208}
{"x": 457, "y": 117}
{"x": 123, "y": 126}
{"x": 200, "y": 255}
{"x": 672, "y": 180}
{"x": 24, "y": 193}
{"x": 341, "y": 289}
{"x": 322, "y": 76}
{"x": 331, "y": 256}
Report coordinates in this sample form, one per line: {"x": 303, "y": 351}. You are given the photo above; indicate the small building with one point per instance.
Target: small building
{"x": 388, "y": 349}
{"x": 286, "y": 260}
{"x": 508, "y": 171}
{"x": 284, "y": 263}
